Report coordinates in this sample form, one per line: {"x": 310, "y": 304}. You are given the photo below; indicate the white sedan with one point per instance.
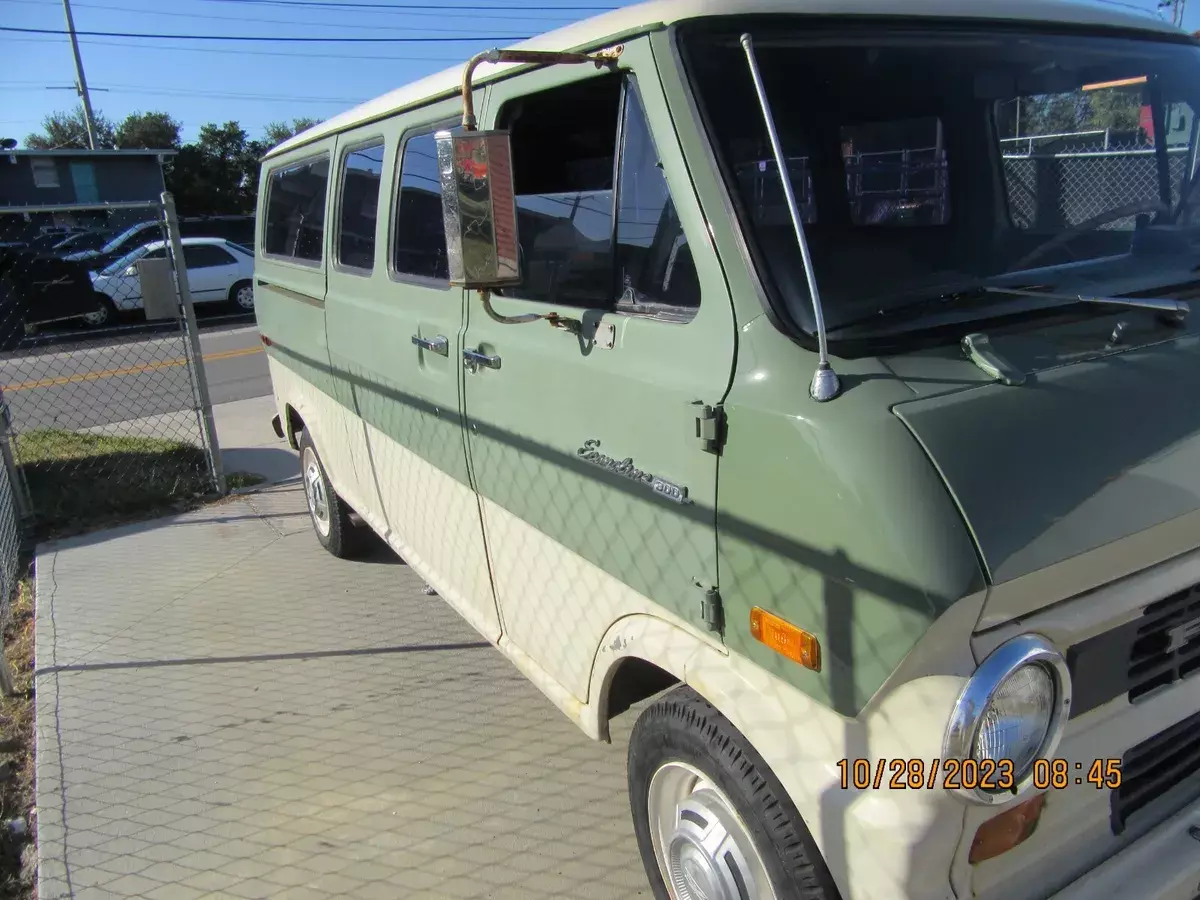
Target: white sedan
{"x": 217, "y": 271}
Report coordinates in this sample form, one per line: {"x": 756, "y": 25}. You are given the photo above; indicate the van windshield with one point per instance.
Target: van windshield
{"x": 931, "y": 162}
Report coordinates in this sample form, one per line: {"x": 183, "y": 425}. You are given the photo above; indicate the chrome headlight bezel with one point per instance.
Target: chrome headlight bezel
{"x": 977, "y": 695}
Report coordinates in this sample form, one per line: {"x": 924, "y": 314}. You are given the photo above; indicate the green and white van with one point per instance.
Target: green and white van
{"x": 876, "y": 488}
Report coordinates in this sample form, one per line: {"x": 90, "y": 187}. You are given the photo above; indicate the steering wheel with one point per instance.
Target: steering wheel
{"x": 1089, "y": 225}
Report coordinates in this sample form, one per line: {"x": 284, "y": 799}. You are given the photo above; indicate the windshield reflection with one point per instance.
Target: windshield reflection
{"x": 928, "y": 159}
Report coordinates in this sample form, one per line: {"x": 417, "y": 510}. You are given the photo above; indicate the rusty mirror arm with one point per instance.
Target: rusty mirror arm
{"x": 536, "y": 57}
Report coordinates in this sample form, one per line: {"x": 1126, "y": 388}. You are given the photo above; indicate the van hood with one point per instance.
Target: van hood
{"x": 1083, "y": 462}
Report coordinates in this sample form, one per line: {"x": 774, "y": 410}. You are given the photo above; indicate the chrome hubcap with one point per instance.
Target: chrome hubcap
{"x": 245, "y": 297}
{"x": 704, "y": 850}
{"x": 314, "y": 491}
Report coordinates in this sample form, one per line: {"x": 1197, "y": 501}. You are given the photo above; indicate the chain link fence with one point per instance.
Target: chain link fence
{"x": 1058, "y": 181}
{"x": 101, "y": 422}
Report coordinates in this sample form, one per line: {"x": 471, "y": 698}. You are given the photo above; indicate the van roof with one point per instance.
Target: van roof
{"x": 610, "y": 27}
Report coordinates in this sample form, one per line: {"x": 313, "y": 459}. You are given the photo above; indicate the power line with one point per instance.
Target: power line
{"x": 312, "y": 4}
{"x": 290, "y": 40}
{"x": 184, "y": 92}
{"x": 448, "y": 57}
{"x": 289, "y": 21}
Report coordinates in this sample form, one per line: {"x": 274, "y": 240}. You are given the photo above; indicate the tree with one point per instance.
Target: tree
{"x": 1118, "y": 110}
{"x": 148, "y": 131}
{"x": 218, "y": 174}
{"x": 277, "y": 132}
{"x": 68, "y": 130}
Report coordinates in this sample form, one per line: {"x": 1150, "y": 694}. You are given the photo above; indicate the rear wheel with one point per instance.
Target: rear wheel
{"x": 712, "y": 821}
{"x": 329, "y": 513}
{"x": 241, "y": 296}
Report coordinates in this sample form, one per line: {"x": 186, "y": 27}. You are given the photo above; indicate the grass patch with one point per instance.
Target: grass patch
{"x": 17, "y": 880}
{"x": 82, "y": 481}
{"x": 236, "y": 480}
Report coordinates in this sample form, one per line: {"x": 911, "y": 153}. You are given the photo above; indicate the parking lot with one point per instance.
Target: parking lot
{"x": 226, "y": 710}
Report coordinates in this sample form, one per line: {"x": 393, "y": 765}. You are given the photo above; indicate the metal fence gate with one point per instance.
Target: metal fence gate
{"x": 102, "y": 412}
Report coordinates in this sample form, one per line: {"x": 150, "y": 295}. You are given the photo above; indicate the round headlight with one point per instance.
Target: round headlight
{"x": 1011, "y": 712}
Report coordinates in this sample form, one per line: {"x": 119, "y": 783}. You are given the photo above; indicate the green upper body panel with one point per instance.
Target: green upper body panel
{"x": 832, "y": 517}
{"x": 1101, "y": 442}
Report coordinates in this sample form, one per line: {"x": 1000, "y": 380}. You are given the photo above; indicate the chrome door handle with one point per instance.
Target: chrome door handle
{"x": 437, "y": 344}
{"x": 473, "y": 359}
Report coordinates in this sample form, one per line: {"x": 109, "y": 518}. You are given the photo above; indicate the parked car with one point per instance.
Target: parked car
{"x": 217, "y": 270}
{"x": 232, "y": 228}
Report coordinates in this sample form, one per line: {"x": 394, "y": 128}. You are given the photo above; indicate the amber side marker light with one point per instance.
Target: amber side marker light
{"x": 1005, "y": 831}
{"x": 785, "y": 638}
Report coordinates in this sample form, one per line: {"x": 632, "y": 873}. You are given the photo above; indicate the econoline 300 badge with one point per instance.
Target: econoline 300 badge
{"x": 625, "y": 468}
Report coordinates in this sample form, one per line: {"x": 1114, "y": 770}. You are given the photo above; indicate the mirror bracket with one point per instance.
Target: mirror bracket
{"x": 536, "y": 57}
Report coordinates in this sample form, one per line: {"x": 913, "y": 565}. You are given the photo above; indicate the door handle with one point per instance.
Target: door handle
{"x": 437, "y": 344}
{"x": 473, "y": 359}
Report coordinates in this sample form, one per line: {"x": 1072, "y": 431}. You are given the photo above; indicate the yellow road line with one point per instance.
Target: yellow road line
{"x": 127, "y": 370}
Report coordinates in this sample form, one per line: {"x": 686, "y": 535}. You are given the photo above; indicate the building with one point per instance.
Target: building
{"x": 31, "y": 180}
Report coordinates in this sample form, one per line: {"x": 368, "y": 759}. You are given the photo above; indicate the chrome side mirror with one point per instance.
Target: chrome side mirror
{"x": 479, "y": 208}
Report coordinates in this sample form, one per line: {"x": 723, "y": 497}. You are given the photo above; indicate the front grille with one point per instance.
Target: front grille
{"x": 1156, "y": 649}
{"x": 1161, "y": 655}
{"x": 1166, "y": 761}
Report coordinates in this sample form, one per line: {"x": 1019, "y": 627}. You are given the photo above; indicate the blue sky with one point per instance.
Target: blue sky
{"x": 255, "y": 83}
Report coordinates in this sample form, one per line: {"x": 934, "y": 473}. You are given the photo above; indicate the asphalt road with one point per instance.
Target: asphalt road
{"x": 124, "y": 377}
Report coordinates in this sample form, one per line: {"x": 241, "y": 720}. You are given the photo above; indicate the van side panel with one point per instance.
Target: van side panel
{"x": 831, "y": 517}
{"x": 399, "y": 402}
{"x": 289, "y": 303}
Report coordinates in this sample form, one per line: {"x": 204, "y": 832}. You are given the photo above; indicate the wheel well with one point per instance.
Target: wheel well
{"x": 295, "y": 425}
{"x": 634, "y": 680}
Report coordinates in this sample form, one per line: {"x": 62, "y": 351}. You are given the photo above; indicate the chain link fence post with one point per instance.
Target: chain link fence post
{"x": 207, "y": 424}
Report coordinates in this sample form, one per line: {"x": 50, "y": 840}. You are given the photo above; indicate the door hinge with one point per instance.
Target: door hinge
{"x": 710, "y": 428}
{"x": 713, "y": 611}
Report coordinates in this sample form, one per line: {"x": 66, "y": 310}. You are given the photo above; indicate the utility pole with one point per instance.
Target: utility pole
{"x": 81, "y": 82}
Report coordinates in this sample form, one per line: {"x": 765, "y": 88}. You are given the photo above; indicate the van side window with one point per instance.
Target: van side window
{"x": 595, "y": 233}
{"x": 564, "y": 145}
{"x": 654, "y": 262}
{"x": 295, "y": 225}
{"x": 362, "y": 169}
{"x": 419, "y": 233}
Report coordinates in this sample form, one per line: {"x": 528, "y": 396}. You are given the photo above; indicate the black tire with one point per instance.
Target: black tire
{"x": 682, "y": 729}
{"x": 105, "y": 315}
{"x": 235, "y": 302}
{"x": 335, "y": 531}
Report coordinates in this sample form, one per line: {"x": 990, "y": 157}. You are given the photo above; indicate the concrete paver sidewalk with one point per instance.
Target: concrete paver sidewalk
{"x": 223, "y": 709}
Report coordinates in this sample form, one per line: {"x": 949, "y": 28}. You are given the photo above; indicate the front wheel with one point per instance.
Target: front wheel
{"x": 712, "y": 820}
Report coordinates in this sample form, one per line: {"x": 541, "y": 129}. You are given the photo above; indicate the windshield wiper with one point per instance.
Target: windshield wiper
{"x": 1178, "y": 309}
{"x": 919, "y": 305}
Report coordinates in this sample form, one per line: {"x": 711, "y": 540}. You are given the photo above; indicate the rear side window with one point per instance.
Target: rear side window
{"x": 295, "y": 221}
{"x": 419, "y": 235}
{"x": 359, "y": 207}
{"x": 204, "y": 256}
